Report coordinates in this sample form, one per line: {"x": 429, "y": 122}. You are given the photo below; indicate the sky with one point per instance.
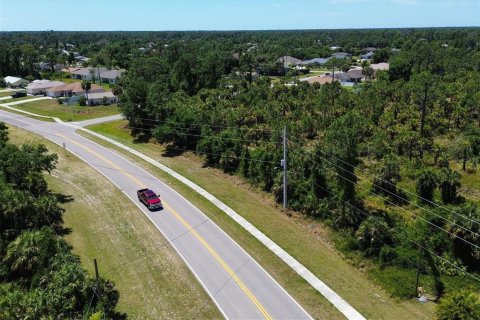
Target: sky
{"x": 159, "y": 15}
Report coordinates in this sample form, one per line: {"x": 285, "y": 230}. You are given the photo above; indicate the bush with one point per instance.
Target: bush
{"x": 2, "y": 82}
{"x": 387, "y": 256}
{"x": 406, "y": 257}
{"x": 82, "y": 101}
{"x": 460, "y": 305}
{"x": 396, "y": 281}
{"x": 60, "y": 101}
{"x": 426, "y": 183}
{"x": 372, "y": 235}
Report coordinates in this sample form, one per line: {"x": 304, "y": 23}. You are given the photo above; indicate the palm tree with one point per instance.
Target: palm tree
{"x": 365, "y": 67}
{"x": 449, "y": 183}
{"x": 86, "y": 85}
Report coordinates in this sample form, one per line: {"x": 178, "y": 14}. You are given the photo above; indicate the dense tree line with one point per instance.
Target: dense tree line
{"x": 40, "y": 277}
{"x": 378, "y": 163}
{"x": 384, "y": 164}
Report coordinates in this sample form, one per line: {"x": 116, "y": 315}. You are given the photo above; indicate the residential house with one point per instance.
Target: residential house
{"x": 380, "y": 66}
{"x": 41, "y": 86}
{"x": 98, "y": 98}
{"x": 47, "y": 66}
{"x": 341, "y": 55}
{"x": 87, "y": 73}
{"x": 82, "y": 59}
{"x": 353, "y": 75}
{"x": 111, "y": 76}
{"x": 320, "y": 79}
{"x": 367, "y": 56}
{"x": 14, "y": 82}
{"x": 288, "y": 61}
{"x": 315, "y": 61}
{"x": 72, "y": 89}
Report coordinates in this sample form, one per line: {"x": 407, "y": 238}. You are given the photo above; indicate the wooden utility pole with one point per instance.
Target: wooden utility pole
{"x": 418, "y": 271}
{"x": 284, "y": 167}
{"x": 97, "y": 278}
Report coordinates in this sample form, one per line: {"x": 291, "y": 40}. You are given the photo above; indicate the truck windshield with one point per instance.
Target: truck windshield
{"x": 151, "y": 197}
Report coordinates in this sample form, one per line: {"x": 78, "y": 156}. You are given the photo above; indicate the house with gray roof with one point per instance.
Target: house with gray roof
{"x": 88, "y": 73}
{"x": 367, "y": 56}
{"x": 318, "y": 61}
{"x": 111, "y": 76}
{"x": 98, "y": 98}
{"x": 41, "y": 86}
{"x": 341, "y": 55}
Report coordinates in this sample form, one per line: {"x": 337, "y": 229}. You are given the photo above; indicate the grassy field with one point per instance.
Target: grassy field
{"x": 50, "y": 107}
{"x": 305, "y": 239}
{"x": 152, "y": 280}
{"x": 16, "y": 99}
{"x": 6, "y": 93}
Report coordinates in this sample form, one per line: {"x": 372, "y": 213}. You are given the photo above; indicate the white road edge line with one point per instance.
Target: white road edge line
{"x": 338, "y": 302}
{"x": 149, "y": 218}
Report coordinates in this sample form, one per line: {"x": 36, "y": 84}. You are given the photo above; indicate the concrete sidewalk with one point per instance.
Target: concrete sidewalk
{"x": 343, "y": 306}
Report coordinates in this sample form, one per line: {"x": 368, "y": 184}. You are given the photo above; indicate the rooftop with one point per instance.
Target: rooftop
{"x": 100, "y": 95}
{"x": 75, "y": 87}
{"x": 44, "y": 84}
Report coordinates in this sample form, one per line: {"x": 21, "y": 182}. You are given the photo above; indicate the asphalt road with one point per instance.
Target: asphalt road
{"x": 237, "y": 284}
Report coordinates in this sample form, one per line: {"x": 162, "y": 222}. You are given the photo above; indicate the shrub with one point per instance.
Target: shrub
{"x": 387, "y": 256}
{"x": 426, "y": 183}
{"x": 372, "y": 235}
{"x": 82, "y": 101}
{"x": 460, "y": 305}
{"x": 396, "y": 280}
{"x": 449, "y": 184}
{"x": 60, "y": 101}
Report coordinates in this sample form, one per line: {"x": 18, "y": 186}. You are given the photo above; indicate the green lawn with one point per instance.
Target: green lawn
{"x": 153, "y": 281}
{"x": 305, "y": 239}
{"x": 50, "y": 107}
{"x": 6, "y": 93}
{"x": 15, "y": 99}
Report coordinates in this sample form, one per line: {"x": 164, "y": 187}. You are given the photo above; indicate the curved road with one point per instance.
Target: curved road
{"x": 237, "y": 284}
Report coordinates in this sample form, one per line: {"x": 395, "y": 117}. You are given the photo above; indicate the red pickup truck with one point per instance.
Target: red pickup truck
{"x": 149, "y": 199}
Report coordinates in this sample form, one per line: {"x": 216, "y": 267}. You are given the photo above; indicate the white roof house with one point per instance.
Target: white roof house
{"x": 99, "y": 97}
{"x": 41, "y": 86}
{"x": 15, "y": 82}
{"x": 380, "y": 66}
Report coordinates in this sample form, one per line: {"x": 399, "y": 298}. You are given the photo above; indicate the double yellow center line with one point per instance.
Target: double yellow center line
{"x": 232, "y": 274}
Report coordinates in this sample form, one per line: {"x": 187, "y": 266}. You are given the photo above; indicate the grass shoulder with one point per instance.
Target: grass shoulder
{"x": 305, "y": 239}
{"x": 152, "y": 280}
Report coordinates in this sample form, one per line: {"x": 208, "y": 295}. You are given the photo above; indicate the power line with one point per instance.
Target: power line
{"x": 202, "y": 125}
{"x": 413, "y": 241}
{"x": 207, "y": 136}
{"x": 391, "y": 193}
{"x": 167, "y": 242}
{"x": 409, "y": 212}
{"x": 221, "y": 155}
{"x": 373, "y": 184}
{"x": 400, "y": 188}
